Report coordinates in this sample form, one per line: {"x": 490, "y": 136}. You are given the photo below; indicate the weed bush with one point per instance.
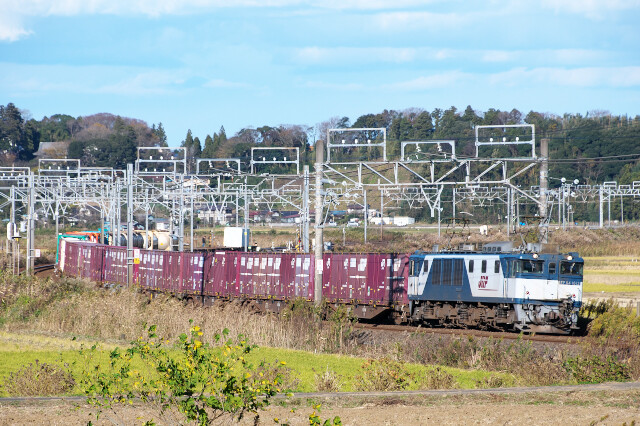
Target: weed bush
{"x": 531, "y": 365}
{"x": 328, "y": 381}
{"x": 39, "y": 379}
{"x": 276, "y": 372}
{"x": 383, "y": 375}
{"x": 437, "y": 378}
{"x": 612, "y": 321}
{"x": 491, "y": 382}
{"x": 23, "y": 298}
{"x": 201, "y": 383}
{"x": 594, "y": 369}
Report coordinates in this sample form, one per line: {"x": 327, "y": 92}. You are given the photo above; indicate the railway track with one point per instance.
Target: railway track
{"x": 42, "y": 268}
{"x": 469, "y": 332}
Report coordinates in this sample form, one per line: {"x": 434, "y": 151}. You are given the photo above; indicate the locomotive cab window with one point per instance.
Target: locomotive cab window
{"x": 552, "y": 268}
{"x": 496, "y": 267}
{"x": 571, "y": 268}
{"x": 528, "y": 266}
{"x": 484, "y": 267}
{"x": 416, "y": 267}
{"x": 470, "y": 266}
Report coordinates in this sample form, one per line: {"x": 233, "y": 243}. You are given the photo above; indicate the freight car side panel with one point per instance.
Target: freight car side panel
{"x": 304, "y": 276}
{"x": 72, "y": 257}
{"x": 171, "y": 271}
{"x": 191, "y": 273}
{"x": 97, "y": 262}
{"x": 150, "y": 270}
{"x": 115, "y": 265}
{"x": 215, "y": 275}
{"x": 399, "y": 279}
{"x": 377, "y": 282}
{"x": 287, "y": 276}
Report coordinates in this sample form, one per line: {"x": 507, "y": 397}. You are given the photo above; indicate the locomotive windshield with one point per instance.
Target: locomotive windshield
{"x": 415, "y": 267}
{"x": 571, "y": 268}
{"x": 529, "y": 266}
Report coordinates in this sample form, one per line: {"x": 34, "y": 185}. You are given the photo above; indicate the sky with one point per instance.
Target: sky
{"x": 202, "y": 64}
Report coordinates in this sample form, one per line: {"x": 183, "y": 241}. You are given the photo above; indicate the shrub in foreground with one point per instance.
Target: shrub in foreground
{"x": 328, "y": 381}
{"x": 201, "y": 383}
{"x": 595, "y": 369}
{"x": 39, "y": 379}
{"x": 383, "y": 375}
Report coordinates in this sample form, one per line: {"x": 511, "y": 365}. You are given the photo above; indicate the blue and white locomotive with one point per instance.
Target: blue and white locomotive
{"x": 498, "y": 287}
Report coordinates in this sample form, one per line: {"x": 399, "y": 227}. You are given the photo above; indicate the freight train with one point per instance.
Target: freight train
{"x": 497, "y": 288}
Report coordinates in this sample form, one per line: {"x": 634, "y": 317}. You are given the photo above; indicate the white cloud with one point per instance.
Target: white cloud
{"x": 593, "y": 77}
{"x": 348, "y": 56}
{"x": 27, "y": 80}
{"x": 14, "y": 14}
{"x": 435, "y": 81}
{"x": 144, "y": 82}
{"x": 592, "y": 9}
{"x": 333, "y": 55}
{"x": 408, "y": 21}
{"x": 615, "y": 77}
{"x": 224, "y": 84}
{"x": 334, "y": 86}
{"x": 498, "y": 56}
{"x": 11, "y": 29}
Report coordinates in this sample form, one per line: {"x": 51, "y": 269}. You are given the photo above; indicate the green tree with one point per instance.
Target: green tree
{"x": 188, "y": 142}
{"x": 197, "y": 148}
{"x": 208, "y": 150}
{"x": 160, "y": 134}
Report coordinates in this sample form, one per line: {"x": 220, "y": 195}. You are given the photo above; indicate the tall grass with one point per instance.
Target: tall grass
{"x": 72, "y": 307}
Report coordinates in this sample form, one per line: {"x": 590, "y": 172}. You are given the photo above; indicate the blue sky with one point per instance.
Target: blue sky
{"x": 200, "y": 64}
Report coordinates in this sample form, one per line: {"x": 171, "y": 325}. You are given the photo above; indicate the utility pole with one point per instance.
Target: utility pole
{"x": 600, "y": 198}
{"x": 130, "y": 224}
{"x": 305, "y": 210}
{"x": 544, "y": 178}
{"x": 15, "y": 248}
{"x": 181, "y": 216}
{"x": 317, "y": 291}
{"x": 366, "y": 214}
{"x": 245, "y": 237}
{"x": 381, "y": 211}
{"x": 30, "y": 225}
{"x": 191, "y": 195}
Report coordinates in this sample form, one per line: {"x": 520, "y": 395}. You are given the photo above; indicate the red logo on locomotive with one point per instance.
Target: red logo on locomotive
{"x": 484, "y": 280}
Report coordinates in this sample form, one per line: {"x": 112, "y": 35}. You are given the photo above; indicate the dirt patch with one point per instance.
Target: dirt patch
{"x": 569, "y": 407}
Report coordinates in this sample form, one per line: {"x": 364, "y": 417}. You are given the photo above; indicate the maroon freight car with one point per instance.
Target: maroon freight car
{"x": 371, "y": 284}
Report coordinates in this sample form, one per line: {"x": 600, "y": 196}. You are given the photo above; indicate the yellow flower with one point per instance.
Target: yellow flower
{"x": 283, "y": 363}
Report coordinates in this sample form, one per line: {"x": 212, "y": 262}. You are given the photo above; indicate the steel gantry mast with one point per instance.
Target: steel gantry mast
{"x": 356, "y": 167}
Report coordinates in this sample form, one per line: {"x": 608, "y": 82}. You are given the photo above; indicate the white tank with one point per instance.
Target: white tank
{"x": 164, "y": 240}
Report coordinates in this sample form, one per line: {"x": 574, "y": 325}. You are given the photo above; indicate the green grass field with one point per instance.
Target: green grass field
{"x": 611, "y": 274}
{"x": 17, "y": 352}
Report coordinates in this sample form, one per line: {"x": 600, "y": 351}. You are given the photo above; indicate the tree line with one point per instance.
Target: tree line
{"x": 594, "y": 147}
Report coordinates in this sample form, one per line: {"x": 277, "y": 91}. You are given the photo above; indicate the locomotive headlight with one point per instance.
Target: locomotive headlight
{"x": 569, "y": 257}
{"x": 535, "y": 255}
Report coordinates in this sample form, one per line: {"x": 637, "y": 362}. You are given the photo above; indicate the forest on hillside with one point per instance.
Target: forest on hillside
{"x": 593, "y": 148}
